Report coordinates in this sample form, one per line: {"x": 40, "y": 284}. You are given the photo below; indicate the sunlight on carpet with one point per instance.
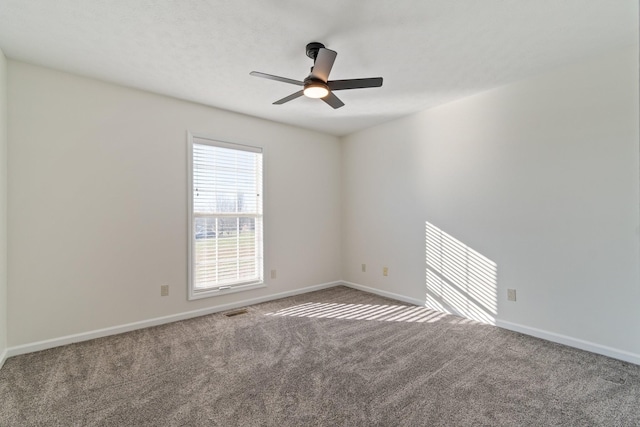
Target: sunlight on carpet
{"x": 383, "y": 313}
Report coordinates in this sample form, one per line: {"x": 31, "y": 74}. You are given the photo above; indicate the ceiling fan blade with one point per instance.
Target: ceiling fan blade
{"x": 333, "y": 100}
{"x": 355, "y": 83}
{"x": 323, "y": 64}
{"x": 276, "y": 78}
{"x": 289, "y": 98}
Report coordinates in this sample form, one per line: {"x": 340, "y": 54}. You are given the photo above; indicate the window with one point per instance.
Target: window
{"x": 225, "y": 217}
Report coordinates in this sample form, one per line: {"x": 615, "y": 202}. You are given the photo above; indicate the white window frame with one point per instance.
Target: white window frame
{"x": 193, "y": 293}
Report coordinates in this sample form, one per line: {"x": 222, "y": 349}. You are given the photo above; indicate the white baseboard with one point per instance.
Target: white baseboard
{"x": 99, "y": 333}
{"x": 382, "y": 293}
{"x": 4, "y": 356}
{"x": 571, "y": 342}
{"x": 534, "y": 332}
{"x": 113, "y": 330}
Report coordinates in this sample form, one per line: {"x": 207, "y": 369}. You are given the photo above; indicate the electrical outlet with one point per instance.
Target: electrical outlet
{"x": 164, "y": 290}
{"x": 273, "y": 274}
{"x": 364, "y": 268}
{"x": 385, "y": 271}
{"x": 511, "y": 294}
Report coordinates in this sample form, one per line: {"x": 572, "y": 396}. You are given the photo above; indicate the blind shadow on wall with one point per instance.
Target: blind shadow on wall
{"x": 459, "y": 279}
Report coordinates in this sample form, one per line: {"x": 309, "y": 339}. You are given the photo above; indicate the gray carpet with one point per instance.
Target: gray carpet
{"x": 337, "y": 357}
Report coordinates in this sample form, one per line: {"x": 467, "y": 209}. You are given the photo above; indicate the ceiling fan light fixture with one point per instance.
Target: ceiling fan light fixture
{"x": 316, "y": 90}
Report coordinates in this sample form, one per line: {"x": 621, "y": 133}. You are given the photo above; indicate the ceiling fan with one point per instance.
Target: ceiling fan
{"x": 317, "y": 83}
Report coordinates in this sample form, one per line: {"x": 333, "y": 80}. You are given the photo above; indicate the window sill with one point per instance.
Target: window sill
{"x": 195, "y": 295}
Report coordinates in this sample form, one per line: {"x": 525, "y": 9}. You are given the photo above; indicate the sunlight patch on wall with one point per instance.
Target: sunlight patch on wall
{"x": 382, "y": 313}
{"x": 459, "y": 279}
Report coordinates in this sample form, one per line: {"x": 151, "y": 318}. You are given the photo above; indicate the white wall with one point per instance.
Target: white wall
{"x": 541, "y": 177}
{"x": 97, "y": 204}
{"x": 3, "y": 206}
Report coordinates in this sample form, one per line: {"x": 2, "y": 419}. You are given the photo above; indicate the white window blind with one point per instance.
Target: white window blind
{"x": 226, "y": 217}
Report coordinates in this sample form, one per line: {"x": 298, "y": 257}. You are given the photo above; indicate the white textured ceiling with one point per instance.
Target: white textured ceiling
{"x": 428, "y": 51}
